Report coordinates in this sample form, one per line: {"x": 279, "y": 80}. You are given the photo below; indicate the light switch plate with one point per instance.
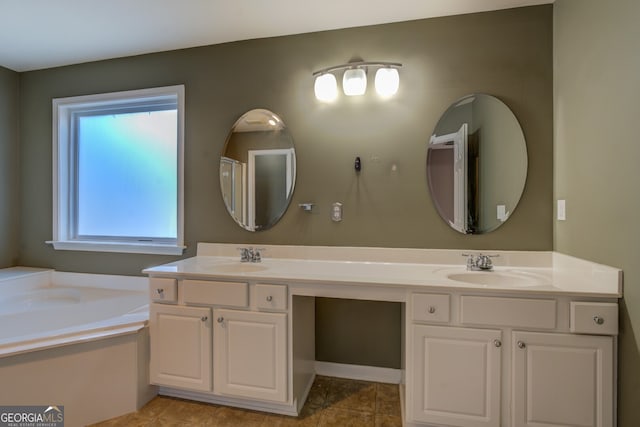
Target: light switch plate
{"x": 562, "y": 213}
{"x": 501, "y": 212}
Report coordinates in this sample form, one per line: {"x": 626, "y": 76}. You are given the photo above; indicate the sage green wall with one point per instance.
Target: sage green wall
{"x": 596, "y": 88}
{"x": 9, "y": 191}
{"x": 506, "y": 53}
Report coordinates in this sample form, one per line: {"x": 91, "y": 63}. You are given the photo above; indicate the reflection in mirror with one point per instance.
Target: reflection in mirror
{"x": 476, "y": 164}
{"x": 258, "y": 170}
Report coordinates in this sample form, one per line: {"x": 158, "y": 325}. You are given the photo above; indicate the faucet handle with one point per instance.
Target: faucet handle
{"x": 471, "y": 263}
{"x": 257, "y": 255}
{"x": 484, "y": 262}
{"x": 244, "y": 254}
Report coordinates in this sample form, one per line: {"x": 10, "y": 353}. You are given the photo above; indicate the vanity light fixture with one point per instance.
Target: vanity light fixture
{"x": 387, "y": 81}
{"x": 354, "y": 80}
{"x": 326, "y": 87}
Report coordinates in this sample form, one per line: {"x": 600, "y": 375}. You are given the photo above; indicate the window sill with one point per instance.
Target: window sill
{"x": 131, "y": 248}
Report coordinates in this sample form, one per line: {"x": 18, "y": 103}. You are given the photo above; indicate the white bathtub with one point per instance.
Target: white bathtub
{"x": 79, "y": 340}
{"x": 36, "y": 311}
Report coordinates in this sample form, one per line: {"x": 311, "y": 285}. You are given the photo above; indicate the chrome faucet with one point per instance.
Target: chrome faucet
{"x": 479, "y": 262}
{"x": 250, "y": 254}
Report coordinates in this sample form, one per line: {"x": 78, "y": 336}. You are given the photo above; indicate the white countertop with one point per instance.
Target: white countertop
{"x": 534, "y": 273}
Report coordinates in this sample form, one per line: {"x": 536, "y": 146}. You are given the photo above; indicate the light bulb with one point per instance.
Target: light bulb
{"x": 387, "y": 82}
{"x": 354, "y": 82}
{"x": 326, "y": 87}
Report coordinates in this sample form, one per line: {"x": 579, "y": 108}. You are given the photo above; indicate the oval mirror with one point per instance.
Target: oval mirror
{"x": 258, "y": 170}
{"x": 476, "y": 164}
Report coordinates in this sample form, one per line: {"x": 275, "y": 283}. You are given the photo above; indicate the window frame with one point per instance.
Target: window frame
{"x": 65, "y": 169}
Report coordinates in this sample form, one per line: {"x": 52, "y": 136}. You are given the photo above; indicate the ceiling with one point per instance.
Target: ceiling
{"x": 37, "y": 34}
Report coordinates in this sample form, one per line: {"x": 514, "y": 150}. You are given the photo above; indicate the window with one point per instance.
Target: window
{"x": 117, "y": 171}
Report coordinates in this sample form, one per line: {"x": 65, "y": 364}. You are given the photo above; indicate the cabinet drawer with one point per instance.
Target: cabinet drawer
{"x": 208, "y": 292}
{"x": 271, "y": 297}
{"x": 514, "y": 312}
{"x": 163, "y": 290}
{"x": 594, "y": 318}
{"x": 430, "y": 307}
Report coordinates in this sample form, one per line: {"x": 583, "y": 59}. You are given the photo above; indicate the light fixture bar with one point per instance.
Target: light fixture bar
{"x": 357, "y": 65}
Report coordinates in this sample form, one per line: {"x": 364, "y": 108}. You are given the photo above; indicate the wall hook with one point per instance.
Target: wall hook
{"x": 358, "y": 164}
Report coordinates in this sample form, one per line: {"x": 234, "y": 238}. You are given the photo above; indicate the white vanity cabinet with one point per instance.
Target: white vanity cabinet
{"x": 180, "y": 346}
{"x": 531, "y": 344}
{"x": 457, "y": 375}
{"x": 510, "y": 361}
{"x": 250, "y": 354}
{"x": 562, "y": 380}
{"x": 221, "y": 341}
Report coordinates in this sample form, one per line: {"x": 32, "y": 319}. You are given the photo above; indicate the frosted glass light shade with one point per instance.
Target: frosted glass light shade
{"x": 387, "y": 82}
{"x": 326, "y": 87}
{"x": 354, "y": 82}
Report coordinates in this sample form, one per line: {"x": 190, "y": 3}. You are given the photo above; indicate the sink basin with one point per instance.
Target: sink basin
{"x": 499, "y": 278}
{"x": 239, "y": 267}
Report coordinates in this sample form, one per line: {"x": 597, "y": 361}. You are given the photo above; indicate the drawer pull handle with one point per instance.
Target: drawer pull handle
{"x": 521, "y": 344}
{"x": 160, "y": 291}
{"x": 599, "y": 320}
{"x": 431, "y": 309}
{"x": 497, "y": 343}
{"x": 269, "y": 298}
{"x": 204, "y": 318}
{"x": 220, "y": 319}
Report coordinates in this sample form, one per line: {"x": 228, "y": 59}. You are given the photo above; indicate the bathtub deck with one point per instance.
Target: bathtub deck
{"x": 13, "y": 273}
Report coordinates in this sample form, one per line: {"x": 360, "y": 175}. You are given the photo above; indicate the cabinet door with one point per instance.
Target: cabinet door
{"x": 456, "y": 376}
{"x": 562, "y": 380}
{"x": 250, "y": 358}
{"x": 180, "y": 346}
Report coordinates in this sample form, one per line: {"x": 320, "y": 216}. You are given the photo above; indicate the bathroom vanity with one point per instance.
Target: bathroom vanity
{"x": 532, "y": 342}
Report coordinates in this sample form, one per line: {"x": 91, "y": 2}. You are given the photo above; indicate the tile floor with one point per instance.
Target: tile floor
{"x": 332, "y": 402}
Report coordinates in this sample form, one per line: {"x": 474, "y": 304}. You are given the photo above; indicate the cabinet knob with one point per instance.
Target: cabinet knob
{"x": 431, "y": 309}
{"x": 269, "y": 298}
{"x": 521, "y": 344}
{"x": 497, "y": 343}
{"x": 160, "y": 291}
{"x": 220, "y": 319}
{"x": 204, "y": 318}
{"x": 599, "y": 320}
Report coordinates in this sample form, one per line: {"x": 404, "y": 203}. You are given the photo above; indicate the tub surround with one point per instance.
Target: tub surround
{"x": 473, "y": 344}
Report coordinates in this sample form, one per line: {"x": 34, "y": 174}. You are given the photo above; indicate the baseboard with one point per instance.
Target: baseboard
{"x": 359, "y": 372}
{"x": 252, "y": 404}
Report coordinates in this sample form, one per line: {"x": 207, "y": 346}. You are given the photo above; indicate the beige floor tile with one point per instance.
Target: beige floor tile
{"x": 336, "y": 417}
{"x": 233, "y": 417}
{"x": 318, "y": 394}
{"x": 385, "y": 407}
{"x": 388, "y": 421}
{"x": 130, "y": 420}
{"x": 156, "y": 406}
{"x": 188, "y": 412}
{"x": 307, "y": 418}
{"x": 389, "y": 392}
{"x": 332, "y": 402}
{"x": 354, "y": 395}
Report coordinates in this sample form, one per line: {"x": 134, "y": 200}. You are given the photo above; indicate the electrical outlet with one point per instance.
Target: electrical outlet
{"x": 336, "y": 212}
